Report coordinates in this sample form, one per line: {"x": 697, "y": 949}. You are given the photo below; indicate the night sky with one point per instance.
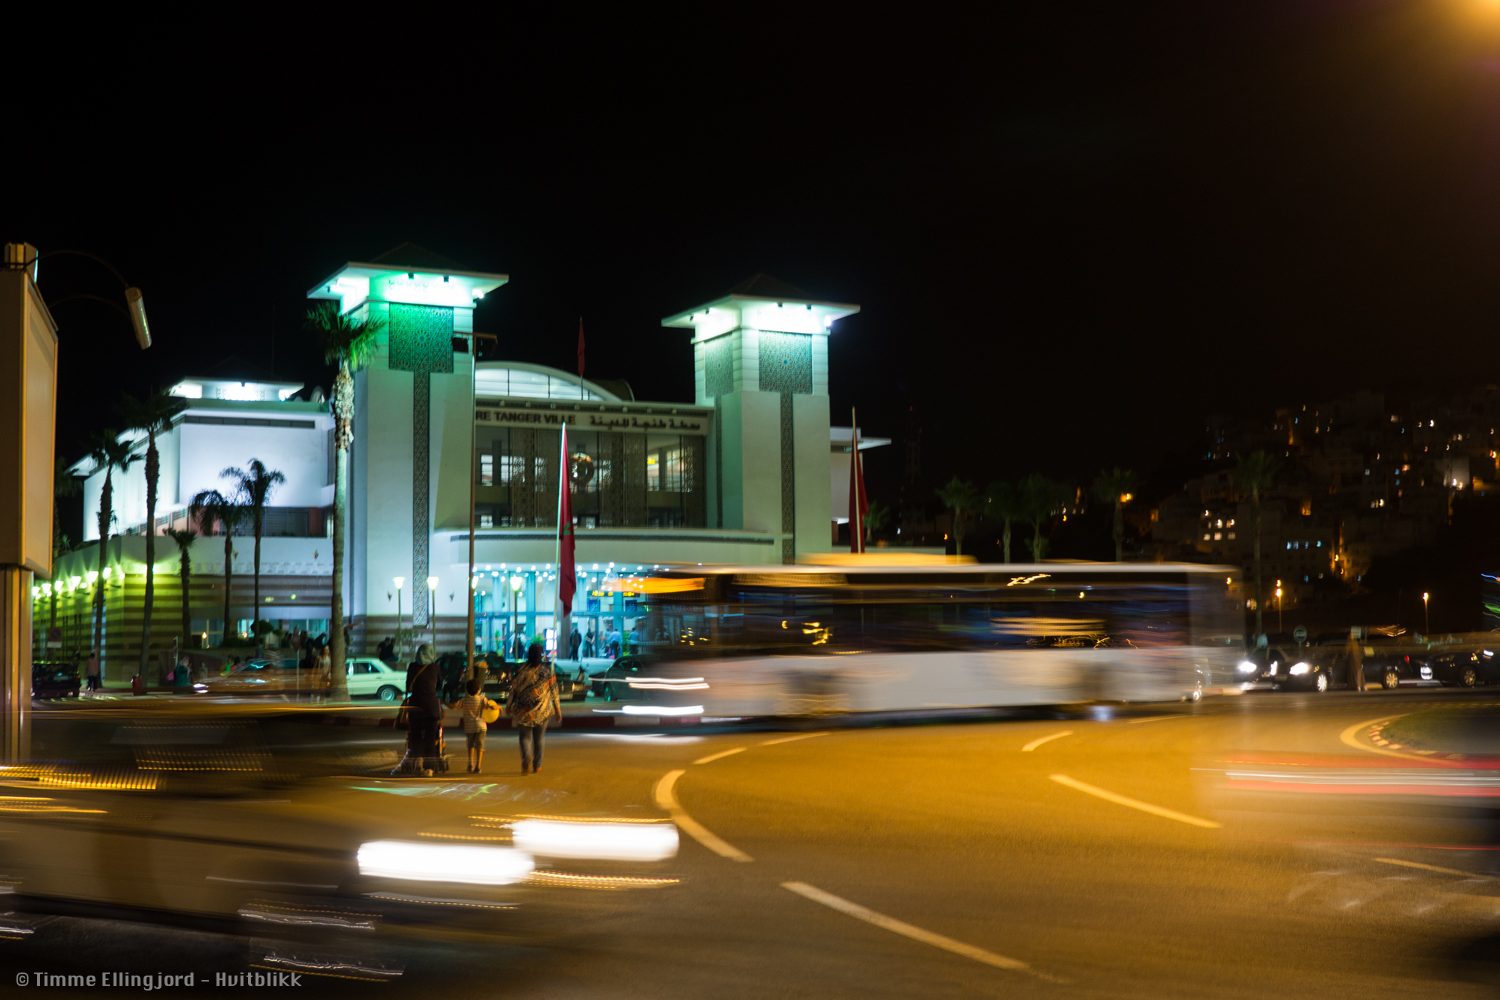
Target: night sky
{"x": 1073, "y": 232}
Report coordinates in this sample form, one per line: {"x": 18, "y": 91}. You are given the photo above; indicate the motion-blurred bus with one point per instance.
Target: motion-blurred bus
{"x": 865, "y": 637}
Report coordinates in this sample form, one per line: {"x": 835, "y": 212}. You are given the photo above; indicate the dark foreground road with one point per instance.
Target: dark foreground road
{"x": 1231, "y": 849}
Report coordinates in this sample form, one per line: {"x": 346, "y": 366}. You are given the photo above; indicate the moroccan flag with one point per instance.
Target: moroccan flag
{"x": 859, "y": 504}
{"x": 567, "y": 581}
{"x": 580, "y": 347}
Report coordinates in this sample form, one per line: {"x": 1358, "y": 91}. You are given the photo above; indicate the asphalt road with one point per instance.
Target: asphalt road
{"x": 1162, "y": 852}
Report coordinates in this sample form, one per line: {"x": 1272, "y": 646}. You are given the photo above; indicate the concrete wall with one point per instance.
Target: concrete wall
{"x": 811, "y": 455}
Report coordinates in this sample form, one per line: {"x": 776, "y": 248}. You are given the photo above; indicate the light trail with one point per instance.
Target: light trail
{"x": 1429, "y": 868}
{"x": 715, "y": 756}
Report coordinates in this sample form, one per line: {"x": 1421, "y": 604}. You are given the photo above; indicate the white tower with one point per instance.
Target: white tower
{"x": 760, "y": 357}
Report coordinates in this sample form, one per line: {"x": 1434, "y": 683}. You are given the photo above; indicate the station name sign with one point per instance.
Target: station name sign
{"x": 514, "y": 416}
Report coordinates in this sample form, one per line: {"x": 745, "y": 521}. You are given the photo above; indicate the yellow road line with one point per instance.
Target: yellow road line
{"x": 668, "y": 801}
{"x": 716, "y": 756}
{"x": 1349, "y": 738}
{"x": 1429, "y": 868}
{"x": 908, "y": 930}
{"x": 1038, "y": 742}
{"x": 1122, "y": 800}
{"x": 789, "y": 739}
{"x": 1155, "y": 718}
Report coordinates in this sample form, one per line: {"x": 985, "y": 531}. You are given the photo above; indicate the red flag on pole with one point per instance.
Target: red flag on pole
{"x": 567, "y": 581}
{"x": 580, "y": 347}
{"x": 859, "y": 504}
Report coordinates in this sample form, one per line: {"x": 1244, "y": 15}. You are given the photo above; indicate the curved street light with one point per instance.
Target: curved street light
{"x": 134, "y": 308}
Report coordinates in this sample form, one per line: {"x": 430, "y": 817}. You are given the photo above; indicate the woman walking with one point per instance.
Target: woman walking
{"x": 533, "y": 701}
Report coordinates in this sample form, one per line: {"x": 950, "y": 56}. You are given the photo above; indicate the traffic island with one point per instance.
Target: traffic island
{"x": 1452, "y": 731}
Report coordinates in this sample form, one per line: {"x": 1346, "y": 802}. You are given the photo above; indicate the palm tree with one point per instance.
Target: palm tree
{"x": 210, "y": 507}
{"x": 153, "y": 414}
{"x": 876, "y": 519}
{"x": 963, "y": 499}
{"x": 348, "y": 343}
{"x": 1040, "y": 497}
{"x": 184, "y": 539}
{"x": 63, "y": 485}
{"x": 1004, "y": 501}
{"x": 1254, "y": 473}
{"x": 252, "y": 489}
{"x": 109, "y": 454}
{"x": 1117, "y": 486}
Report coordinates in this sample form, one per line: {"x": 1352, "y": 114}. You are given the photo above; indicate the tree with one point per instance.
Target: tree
{"x": 1253, "y": 474}
{"x": 1004, "y": 501}
{"x": 1040, "y": 497}
{"x": 211, "y": 508}
{"x": 109, "y": 453}
{"x": 963, "y": 499}
{"x": 184, "y": 539}
{"x": 348, "y": 343}
{"x": 1117, "y": 486}
{"x": 64, "y": 485}
{"x": 153, "y": 414}
{"x": 252, "y": 489}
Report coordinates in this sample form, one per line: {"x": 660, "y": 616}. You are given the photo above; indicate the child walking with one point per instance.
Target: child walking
{"x": 473, "y": 704}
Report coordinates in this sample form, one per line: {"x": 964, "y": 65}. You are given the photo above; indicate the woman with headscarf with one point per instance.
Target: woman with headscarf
{"x": 426, "y": 711}
{"x": 533, "y": 702}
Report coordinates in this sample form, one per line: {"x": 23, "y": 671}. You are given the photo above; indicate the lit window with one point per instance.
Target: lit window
{"x": 1206, "y": 537}
{"x": 1231, "y": 536}
{"x": 486, "y": 520}
{"x": 486, "y": 470}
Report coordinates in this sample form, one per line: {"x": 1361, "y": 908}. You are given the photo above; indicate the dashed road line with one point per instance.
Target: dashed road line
{"x": 716, "y": 756}
{"x": 1123, "y": 800}
{"x": 915, "y": 933}
{"x": 1045, "y": 739}
{"x": 1429, "y": 868}
{"x": 789, "y": 739}
{"x": 668, "y": 802}
{"x": 1155, "y": 718}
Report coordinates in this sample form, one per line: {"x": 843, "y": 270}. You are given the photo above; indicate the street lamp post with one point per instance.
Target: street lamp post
{"x": 515, "y": 596}
{"x": 432, "y": 583}
{"x": 400, "y": 639}
{"x": 1279, "y": 627}
{"x": 1426, "y": 622}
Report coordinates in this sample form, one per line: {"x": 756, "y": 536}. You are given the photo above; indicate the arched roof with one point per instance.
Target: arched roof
{"x": 516, "y": 378}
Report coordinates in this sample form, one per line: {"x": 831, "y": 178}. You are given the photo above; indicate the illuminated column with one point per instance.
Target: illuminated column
{"x": 761, "y": 360}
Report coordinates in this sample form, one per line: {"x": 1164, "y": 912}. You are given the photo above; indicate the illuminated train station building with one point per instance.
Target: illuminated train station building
{"x": 746, "y": 473}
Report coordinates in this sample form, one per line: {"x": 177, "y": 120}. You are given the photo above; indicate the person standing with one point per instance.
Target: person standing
{"x": 425, "y": 713}
{"x": 1356, "y": 655}
{"x": 91, "y": 670}
{"x": 473, "y": 704}
{"x": 574, "y": 642}
{"x": 533, "y": 703}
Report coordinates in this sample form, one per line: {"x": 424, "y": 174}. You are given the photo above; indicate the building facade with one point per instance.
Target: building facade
{"x": 743, "y": 474}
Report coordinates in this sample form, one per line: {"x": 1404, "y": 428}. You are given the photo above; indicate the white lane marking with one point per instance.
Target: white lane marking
{"x": 915, "y": 933}
{"x": 667, "y": 801}
{"x": 1038, "y": 742}
{"x": 1429, "y": 868}
{"x": 1122, "y": 800}
{"x": 716, "y": 756}
{"x": 789, "y": 739}
{"x": 1155, "y": 718}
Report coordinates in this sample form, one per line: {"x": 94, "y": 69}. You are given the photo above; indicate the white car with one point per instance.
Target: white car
{"x": 369, "y": 676}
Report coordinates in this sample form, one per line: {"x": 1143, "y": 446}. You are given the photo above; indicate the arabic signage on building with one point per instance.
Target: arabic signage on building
{"x": 636, "y": 423}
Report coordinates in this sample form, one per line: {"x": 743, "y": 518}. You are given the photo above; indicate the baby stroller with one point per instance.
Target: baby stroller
{"x": 413, "y": 761}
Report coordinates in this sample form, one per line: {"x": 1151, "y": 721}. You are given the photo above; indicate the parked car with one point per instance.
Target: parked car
{"x": 370, "y": 676}
{"x": 613, "y": 684}
{"x": 54, "y": 679}
{"x": 1287, "y": 667}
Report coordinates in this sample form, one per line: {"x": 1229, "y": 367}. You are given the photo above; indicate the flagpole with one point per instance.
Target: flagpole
{"x": 558, "y": 611}
{"x": 856, "y": 512}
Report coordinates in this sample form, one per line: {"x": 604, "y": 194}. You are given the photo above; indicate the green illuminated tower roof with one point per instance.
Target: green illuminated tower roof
{"x": 407, "y": 274}
{"x": 765, "y": 303}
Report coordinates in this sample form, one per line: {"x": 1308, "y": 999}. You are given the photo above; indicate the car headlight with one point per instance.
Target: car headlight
{"x": 422, "y": 862}
{"x": 1246, "y": 667}
{"x": 1427, "y": 673}
{"x": 1298, "y": 669}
